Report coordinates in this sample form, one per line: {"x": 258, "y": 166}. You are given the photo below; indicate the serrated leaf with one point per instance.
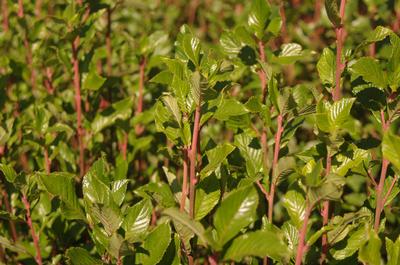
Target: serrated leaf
{"x": 215, "y": 157}
{"x": 137, "y": 220}
{"x": 370, "y": 70}
{"x": 229, "y": 107}
{"x": 326, "y": 66}
{"x": 236, "y": 211}
{"x": 63, "y": 185}
{"x": 340, "y": 112}
{"x": 260, "y": 244}
{"x": 93, "y": 81}
{"x": 295, "y": 205}
{"x": 393, "y": 251}
{"x": 172, "y": 105}
{"x": 207, "y": 196}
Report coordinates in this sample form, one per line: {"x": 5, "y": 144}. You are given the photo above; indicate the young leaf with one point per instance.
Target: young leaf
{"x": 332, "y": 10}
{"x": 370, "y": 253}
{"x": 393, "y": 251}
{"x": 237, "y": 210}
{"x": 258, "y": 17}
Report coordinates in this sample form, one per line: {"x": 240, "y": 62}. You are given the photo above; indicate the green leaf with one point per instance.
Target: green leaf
{"x": 108, "y": 215}
{"x": 155, "y": 245}
{"x": 356, "y": 240}
{"x": 92, "y": 81}
{"x": 229, "y": 107}
{"x": 326, "y": 67}
{"x": 331, "y": 188}
{"x": 80, "y": 256}
{"x": 290, "y": 53}
{"x": 9, "y": 172}
{"x": 230, "y": 43}
{"x": 252, "y": 155}
{"x": 260, "y": 244}
{"x": 370, "y": 70}
{"x": 120, "y": 110}
{"x": 295, "y": 205}
{"x": 332, "y": 11}
{"x": 172, "y": 105}
{"x": 191, "y": 48}
{"x": 390, "y": 149}
{"x": 63, "y": 185}
{"x": 95, "y": 190}
{"x": 378, "y": 34}
{"x": 393, "y": 251}
{"x": 215, "y": 157}
{"x": 163, "y": 77}
{"x": 258, "y": 17}
{"x": 195, "y": 87}
{"x": 118, "y": 190}
{"x": 236, "y": 211}
{"x": 339, "y": 112}
{"x": 196, "y": 227}
{"x": 207, "y": 196}
{"x": 137, "y": 220}
{"x": 15, "y": 247}
{"x": 370, "y": 253}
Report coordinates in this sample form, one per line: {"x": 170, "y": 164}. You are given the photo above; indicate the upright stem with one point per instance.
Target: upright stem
{"x": 4, "y": 7}
{"x": 301, "y": 247}
{"x": 317, "y": 10}
{"x": 325, "y": 212}
{"x": 78, "y": 107}
{"x": 38, "y": 7}
{"x": 274, "y": 181}
{"x": 283, "y": 16}
{"x": 185, "y": 179}
{"x": 35, "y": 237}
{"x": 380, "y": 198}
{"x": 261, "y": 74}
{"x": 193, "y": 154}
{"x": 336, "y": 93}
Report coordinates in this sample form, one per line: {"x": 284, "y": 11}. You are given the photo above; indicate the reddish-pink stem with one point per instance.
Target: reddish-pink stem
{"x": 38, "y": 7}
{"x": 193, "y": 154}
{"x": 4, "y": 8}
{"x": 317, "y": 10}
{"x": 20, "y": 9}
{"x": 301, "y": 247}
{"x": 379, "y": 189}
{"x": 78, "y": 107}
{"x": 185, "y": 179}
{"x": 274, "y": 181}
{"x": 35, "y": 237}
{"x": 283, "y": 16}
{"x": 337, "y": 93}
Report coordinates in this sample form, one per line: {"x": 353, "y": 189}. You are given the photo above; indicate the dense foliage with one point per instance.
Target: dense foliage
{"x": 199, "y": 132}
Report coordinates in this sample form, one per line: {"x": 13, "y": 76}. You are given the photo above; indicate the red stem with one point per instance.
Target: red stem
{"x": 78, "y": 107}
{"x": 185, "y": 179}
{"x": 336, "y": 93}
{"x": 301, "y": 247}
{"x": 4, "y": 7}
{"x": 20, "y": 9}
{"x": 317, "y": 10}
{"x": 275, "y": 167}
{"x": 38, "y": 7}
{"x": 35, "y": 237}
{"x": 283, "y": 16}
{"x": 193, "y": 154}
{"x": 389, "y": 190}
{"x": 379, "y": 189}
